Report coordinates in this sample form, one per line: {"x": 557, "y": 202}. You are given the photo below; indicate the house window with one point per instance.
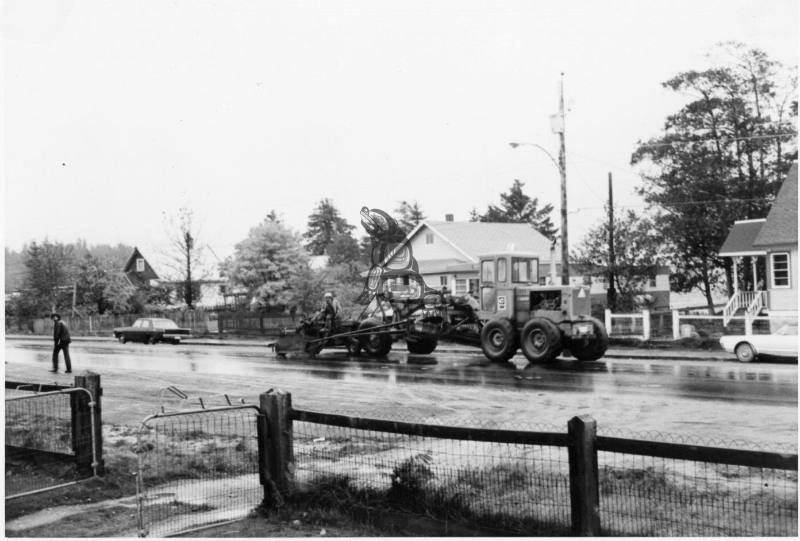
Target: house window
{"x": 428, "y": 238}
{"x": 652, "y": 281}
{"x": 140, "y": 264}
{"x": 443, "y": 281}
{"x": 780, "y": 269}
{"x": 461, "y": 286}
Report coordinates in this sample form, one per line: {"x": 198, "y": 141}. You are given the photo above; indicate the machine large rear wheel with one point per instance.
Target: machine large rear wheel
{"x": 540, "y": 341}
{"x": 376, "y": 344}
{"x": 590, "y": 349}
{"x": 421, "y": 345}
{"x": 499, "y": 340}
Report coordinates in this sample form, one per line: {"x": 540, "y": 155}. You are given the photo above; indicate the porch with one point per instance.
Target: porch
{"x": 749, "y": 292}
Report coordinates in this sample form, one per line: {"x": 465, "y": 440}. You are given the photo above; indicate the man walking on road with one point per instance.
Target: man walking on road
{"x": 61, "y": 340}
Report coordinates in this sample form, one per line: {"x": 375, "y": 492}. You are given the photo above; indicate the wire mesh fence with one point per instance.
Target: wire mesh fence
{"x": 502, "y": 488}
{"x": 48, "y": 440}
{"x": 652, "y": 496}
{"x": 197, "y": 468}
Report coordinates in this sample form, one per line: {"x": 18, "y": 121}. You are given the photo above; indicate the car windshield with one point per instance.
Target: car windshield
{"x": 165, "y": 323}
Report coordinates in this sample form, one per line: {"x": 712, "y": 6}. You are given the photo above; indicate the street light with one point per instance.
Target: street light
{"x": 564, "y": 245}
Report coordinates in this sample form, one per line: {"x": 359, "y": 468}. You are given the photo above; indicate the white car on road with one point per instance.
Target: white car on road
{"x": 783, "y": 343}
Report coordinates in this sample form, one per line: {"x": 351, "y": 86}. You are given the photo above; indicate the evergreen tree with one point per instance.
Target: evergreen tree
{"x": 517, "y": 207}
{"x": 323, "y": 225}
{"x": 408, "y": 215}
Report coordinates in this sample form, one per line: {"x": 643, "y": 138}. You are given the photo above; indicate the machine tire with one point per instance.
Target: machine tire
{"x": 422, "y": 345}
{"x": 374, "y": 344}
{"x": 590, "y": 349}
{"x": 745, "y": 352}
{"x": 499, "y": 340}
{"x": 540, "y": 340}
{"x": 353, "y": 346}
{"x": 312, "y": 348}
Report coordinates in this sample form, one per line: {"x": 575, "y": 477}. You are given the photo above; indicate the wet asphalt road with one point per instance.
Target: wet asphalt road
{"x": 761, "y": 383}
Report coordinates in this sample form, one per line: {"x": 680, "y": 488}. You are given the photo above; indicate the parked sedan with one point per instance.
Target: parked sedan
{"x": 151, "y": 331}
{"x": 748, "y": 347}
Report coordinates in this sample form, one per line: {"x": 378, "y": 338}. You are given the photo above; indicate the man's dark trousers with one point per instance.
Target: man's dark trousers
{"x": 67, "y": 361}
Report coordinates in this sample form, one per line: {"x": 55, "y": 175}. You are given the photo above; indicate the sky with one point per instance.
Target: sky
{"x": 116, "y": 114}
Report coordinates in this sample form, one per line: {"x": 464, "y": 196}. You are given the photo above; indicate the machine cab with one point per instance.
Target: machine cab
{"x": 500, "y": 275}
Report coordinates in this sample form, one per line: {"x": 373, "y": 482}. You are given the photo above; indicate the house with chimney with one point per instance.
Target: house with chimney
{"x": 448, "y": 252}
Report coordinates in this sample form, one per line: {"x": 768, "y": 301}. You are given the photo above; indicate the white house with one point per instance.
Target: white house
{"x": 774, "y": 239}
{"x": 447, "y": 252}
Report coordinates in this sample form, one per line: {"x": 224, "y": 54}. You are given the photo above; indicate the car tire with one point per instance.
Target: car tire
{"x": 499, "y": 340}
{"x": 122, "y": 338}
{"x": 540, "y": 340}
{"x": 153, "y": 340}
{"x": 745, "y": 352}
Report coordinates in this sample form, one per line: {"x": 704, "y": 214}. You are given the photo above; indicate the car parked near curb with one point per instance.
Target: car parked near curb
{"x": 747, "y": 348}
{"x": 151, "y": 330}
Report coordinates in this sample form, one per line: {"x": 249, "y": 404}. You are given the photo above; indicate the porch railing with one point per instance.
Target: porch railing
{"x": 741, "y": 299}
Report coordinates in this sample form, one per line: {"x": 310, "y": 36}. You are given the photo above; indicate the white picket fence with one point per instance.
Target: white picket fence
{"x": 639, "y": 324}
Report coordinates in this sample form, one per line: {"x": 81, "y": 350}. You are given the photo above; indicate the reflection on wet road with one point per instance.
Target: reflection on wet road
{"x": 757, "y": 383}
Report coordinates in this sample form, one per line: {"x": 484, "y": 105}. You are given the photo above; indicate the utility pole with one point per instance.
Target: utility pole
{"x": 611, "y": 296}
{"x": 189, "y": 245}
{"x": 562, "y": 166}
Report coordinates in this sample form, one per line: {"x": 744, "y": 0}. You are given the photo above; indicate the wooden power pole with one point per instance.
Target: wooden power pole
{"x": 562, "y": 166}
{"x": 611, "y": 296}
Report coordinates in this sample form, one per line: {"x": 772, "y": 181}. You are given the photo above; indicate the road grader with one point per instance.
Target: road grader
{"x": 514, "y": 314}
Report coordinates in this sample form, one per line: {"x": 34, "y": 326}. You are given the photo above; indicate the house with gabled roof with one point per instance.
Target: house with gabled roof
{"x": 138, "y": 271}
{"x": 447, "y": 254}
{"x": 773, "y": 240}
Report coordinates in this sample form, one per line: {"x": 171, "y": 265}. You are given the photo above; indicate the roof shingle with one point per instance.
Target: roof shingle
{"x": 740, "y": 239}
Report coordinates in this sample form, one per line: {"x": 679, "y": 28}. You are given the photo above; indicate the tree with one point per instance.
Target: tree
{"x": 49, "y": 271}
{"x": 185, "y": 257}
{"x": 408, "y": 215}
{"x": 323, "y": 225}
{"x": 722, "y": 157}
{"x": 101, "y": 286}
{"x": 344, "y": 250}
{"x": 638, "y": 248}
{"x": 517, "y": 207}
{"x": 265, "y": 263}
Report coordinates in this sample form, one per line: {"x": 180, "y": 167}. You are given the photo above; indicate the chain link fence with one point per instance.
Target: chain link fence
{"x": 197, "y": 468}
{"x": 49, "y": 440}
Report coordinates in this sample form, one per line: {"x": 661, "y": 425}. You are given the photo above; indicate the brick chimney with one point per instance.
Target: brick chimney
{"x": 448, "y": 217}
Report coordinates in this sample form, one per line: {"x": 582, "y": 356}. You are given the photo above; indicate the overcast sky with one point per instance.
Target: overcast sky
{"x": 117, "y": 112}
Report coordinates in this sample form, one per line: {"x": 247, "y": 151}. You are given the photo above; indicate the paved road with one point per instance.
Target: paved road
{"x": 700, "y": 398}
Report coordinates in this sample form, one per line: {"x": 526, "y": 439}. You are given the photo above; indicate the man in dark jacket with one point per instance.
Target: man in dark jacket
{"x": 61, "y": 340}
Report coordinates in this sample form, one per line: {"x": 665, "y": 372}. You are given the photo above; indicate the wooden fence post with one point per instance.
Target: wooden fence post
{"x": 82, "y": 424}
{"x": 583, "y": 476}
{"x": 676, "y": 324}
{"x": 608, "y": 321}
{"x": 276, "y": 450}
{"x": 646, "y": 324}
